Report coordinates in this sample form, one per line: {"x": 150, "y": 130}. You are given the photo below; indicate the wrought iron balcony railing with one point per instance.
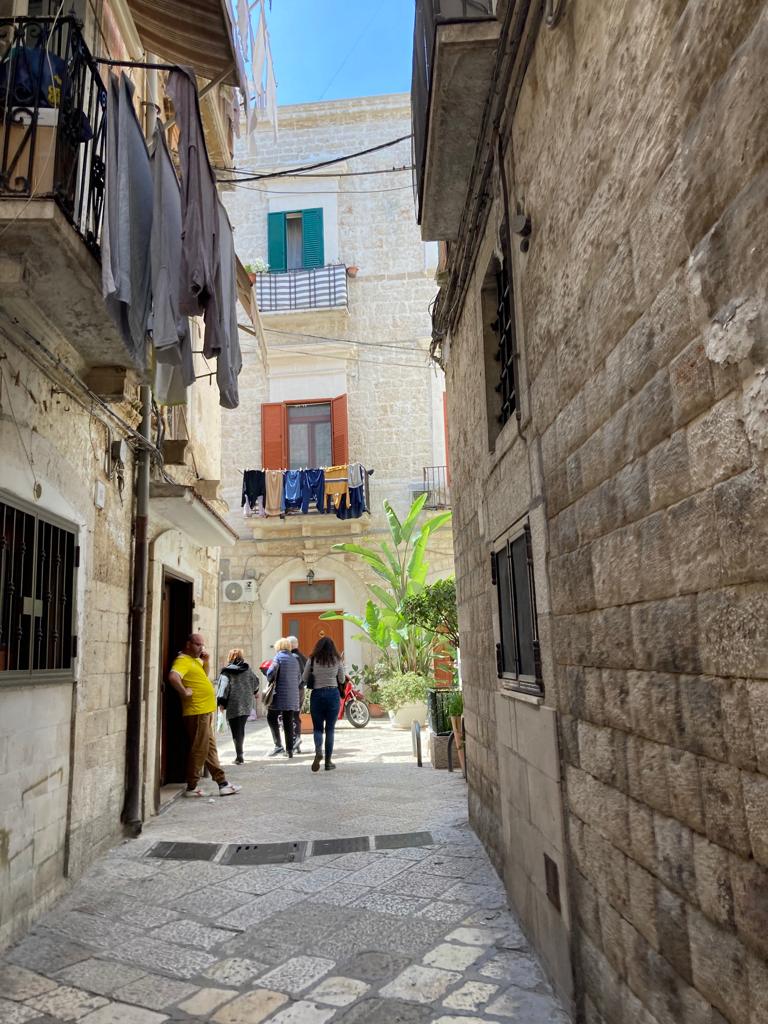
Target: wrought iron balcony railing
{"x": 318, "y": 288}
{"x": 430, "y": 14}
{"x": 435, "y": 484}
{"x": 52, "y": 120}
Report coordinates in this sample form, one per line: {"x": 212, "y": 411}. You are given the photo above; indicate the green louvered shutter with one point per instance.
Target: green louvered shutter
{"x": 276, "y": 241}
{"x": 312, "y": 237}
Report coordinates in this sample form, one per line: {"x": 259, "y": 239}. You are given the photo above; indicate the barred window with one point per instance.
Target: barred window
{"x": 504, "y": 325}
{"x": 38, "y": 566}
{"x": 517, "y": 652}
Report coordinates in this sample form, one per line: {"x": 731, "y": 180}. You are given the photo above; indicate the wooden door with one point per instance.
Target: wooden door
{"x": 309, "y": 628}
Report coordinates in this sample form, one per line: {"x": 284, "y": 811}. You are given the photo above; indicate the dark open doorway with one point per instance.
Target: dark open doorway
{"x": 176, "y": 626}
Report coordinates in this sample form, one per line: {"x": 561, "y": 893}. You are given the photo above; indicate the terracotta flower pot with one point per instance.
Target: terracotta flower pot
{"x": 252, "y": 278}
{"x": 458, "y": 740}
{"x": 352, "y": 271}
{"x": 306, "y": 722}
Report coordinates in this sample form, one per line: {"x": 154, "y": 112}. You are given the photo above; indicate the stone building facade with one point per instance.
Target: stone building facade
{"x": 69, "y": 438}
{"x": 369, "y": 348}
{"x": 617, "y": 176}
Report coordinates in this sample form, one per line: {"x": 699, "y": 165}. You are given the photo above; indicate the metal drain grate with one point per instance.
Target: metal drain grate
{"x": 265, "y": 853}
{"x": 354, "y": 845}
{"x": 402, "y": 840}
{"x": 184, "y": 851}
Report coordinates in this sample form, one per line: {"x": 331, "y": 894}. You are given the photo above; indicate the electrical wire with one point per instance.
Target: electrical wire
{"x": 18, "y": 429}
{"x": 323, "y": 355}
{"x": 294, "y": 171}
{"x": 317, "y": 192}
{"x": 337, "y": 174}
{"x": 352, "y": 49}
{"x": 401, "y": 347}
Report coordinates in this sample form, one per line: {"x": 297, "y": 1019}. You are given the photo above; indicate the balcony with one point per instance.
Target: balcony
{"x": 290, "y": 291}
{"x": 434, "y": 483}
{"x": 52, "y": 147}
{"x": 454, "y": 50}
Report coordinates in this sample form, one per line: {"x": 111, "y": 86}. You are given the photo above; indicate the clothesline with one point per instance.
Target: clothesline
{"x": 338, "y": 490}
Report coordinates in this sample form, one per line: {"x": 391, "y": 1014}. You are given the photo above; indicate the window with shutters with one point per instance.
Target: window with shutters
{"x": 295, "y": 240}
{"x": 305, "y": 434}
{"x": 38, "y": 570}
{"x": 517, "y": 648}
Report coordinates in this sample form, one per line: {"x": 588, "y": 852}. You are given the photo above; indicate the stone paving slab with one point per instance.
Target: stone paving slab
{"x": 417, "y": 935}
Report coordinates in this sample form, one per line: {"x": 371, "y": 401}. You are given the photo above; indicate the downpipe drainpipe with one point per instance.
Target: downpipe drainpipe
{"x": 132, "y": 820}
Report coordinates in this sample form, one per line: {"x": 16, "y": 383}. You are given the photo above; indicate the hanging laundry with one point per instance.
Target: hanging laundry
{"x": 356, "y": 504}
{"x": 291, "y": 490}
{"x": 336, "y": 486}
{"x": 274, "y": 502}
{"x": 175, "y": 365}
{"x": 254, "y": 487}
{"x": 312, "y": 489}
{"x": 223, "y": 306}
{"x": 127, "y": 227}
{"x": 199, "y": 206}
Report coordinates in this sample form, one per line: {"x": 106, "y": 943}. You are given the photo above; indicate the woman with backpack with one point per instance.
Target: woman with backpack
{"x": 324, "y": 676}
{"x": 238, "y": 684}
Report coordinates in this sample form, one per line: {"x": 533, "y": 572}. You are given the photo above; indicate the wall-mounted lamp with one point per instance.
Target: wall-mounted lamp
{"x": 310, "y": 576}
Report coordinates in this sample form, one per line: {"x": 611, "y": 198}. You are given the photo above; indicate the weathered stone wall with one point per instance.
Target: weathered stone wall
{"x": 640, "y": 152}
{"x": 396, "y": 423}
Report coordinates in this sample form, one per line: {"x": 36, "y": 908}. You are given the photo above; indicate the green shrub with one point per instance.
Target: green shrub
{"x": 455, "y": 704}
{"x": 403, "y": 688}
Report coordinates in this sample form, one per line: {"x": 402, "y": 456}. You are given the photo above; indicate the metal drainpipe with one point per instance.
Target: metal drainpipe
{"x": 132, "y": 808}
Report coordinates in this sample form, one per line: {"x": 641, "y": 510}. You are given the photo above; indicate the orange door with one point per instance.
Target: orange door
{"x": 309, "y": 628}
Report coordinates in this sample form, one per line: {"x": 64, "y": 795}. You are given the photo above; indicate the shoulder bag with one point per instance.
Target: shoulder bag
{"x": 269, "y": 691}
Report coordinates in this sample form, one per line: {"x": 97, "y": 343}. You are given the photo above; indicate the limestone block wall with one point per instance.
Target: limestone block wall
{"x": 640, "y": 155}
{"x": 62, "y": 746}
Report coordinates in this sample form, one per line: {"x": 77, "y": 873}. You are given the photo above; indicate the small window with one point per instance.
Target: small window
{"x": 316, "y": 592}
{"x": 295, "y": 240}
{"x": 310, "y": 438}
{"x": 500, "y": 345}
{"x": 38, "y": 562}
{"x": 517, "y": 650}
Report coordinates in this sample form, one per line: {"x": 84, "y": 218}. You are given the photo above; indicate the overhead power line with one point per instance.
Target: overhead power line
{"x": 292, "y": 171}
{"x": 317, "y": 191}
{"x": 407, "y": 345}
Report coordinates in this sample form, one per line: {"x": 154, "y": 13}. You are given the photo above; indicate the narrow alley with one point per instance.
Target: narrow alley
{"x": 392, "y": 914}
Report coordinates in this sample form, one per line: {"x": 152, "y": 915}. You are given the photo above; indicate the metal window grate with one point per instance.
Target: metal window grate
{"x": 517, "y": 653}
{"x": 38, "y": 560}
{"x": 506, "y": 355}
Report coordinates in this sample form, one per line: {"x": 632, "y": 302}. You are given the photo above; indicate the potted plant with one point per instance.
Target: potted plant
{"x": 366, "y": 678}
{"x": 259, "y": 266}
{"x": 352, "y": 271}
{"x": 455, "y": 713}
{"x": 404, "y": 696}
{"x": 304, "y": 715}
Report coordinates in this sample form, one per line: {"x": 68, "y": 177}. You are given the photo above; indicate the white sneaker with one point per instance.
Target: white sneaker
{"x": 229, "y": 789}
{"x": 194, "y": 792}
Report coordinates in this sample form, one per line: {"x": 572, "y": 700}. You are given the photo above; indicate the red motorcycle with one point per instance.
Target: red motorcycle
{"x": 353, "y": 706}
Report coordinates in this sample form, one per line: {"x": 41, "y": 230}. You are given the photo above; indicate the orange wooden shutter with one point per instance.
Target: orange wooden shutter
{"x": 273, "y": 436}
{"x": 445, "y": 428}
{"x": 340, "y": 430}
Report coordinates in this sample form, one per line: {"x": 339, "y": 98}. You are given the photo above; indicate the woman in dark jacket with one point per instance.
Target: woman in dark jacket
{"x": 238, "y": 685}
{"x": 324, "y": 675}
{"x": 286, "y": 701}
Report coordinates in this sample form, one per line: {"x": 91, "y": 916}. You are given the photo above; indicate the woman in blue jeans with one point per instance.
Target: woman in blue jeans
{"x": 324, "y": 675}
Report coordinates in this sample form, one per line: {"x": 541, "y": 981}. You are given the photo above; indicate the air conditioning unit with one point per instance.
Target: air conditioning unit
{"x": 238, "y": 591}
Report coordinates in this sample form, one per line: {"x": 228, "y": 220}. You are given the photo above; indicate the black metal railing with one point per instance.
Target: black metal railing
{"x": 52, "y": 120}
{"x": 430, "y": 14}
{"x": 318, "y": 288}
{"x": 435, "y": 485}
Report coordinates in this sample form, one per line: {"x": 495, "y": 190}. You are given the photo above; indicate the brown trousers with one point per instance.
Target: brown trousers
{"x": 202, "y": 749}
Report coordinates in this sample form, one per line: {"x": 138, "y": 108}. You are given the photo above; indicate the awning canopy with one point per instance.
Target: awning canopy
{"x": 196, "y": 33}
{"x": 189, "y": 513}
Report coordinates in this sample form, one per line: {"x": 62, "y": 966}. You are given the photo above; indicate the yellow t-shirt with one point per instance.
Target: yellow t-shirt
{"x": 203, "y": 699}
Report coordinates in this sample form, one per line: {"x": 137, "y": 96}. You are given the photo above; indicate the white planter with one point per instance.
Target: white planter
{"x": 405, "y": 716}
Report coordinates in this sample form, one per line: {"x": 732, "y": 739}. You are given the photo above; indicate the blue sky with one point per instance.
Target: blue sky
{"x": 334, "y": 49}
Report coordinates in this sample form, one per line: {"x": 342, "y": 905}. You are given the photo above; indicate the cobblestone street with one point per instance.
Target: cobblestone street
{"x": 412, "y": 935}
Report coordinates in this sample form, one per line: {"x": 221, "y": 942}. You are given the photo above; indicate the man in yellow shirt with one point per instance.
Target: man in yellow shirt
{"x": 189, "y": 676}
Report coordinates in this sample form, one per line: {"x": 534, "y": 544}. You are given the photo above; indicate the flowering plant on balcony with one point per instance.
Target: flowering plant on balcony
{"x": 258, "y": 266}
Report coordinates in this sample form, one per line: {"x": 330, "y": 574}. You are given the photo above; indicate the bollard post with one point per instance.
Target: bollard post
{"x": 451, "y": 741}
{"x": 416, "y": 742}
